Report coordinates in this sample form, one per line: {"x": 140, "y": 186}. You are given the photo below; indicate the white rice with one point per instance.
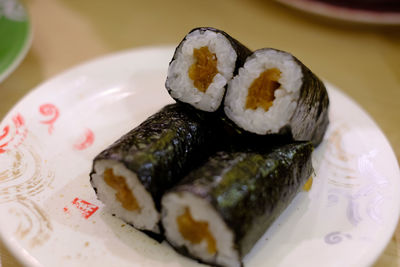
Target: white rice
{"x": 182, "y": 87}
{"x": 145, "y": 219}
{"x": 174, "y": 205}
{"x": 278, "y": 115}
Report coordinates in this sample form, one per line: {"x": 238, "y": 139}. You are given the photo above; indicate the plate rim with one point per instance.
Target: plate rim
{"x": 346, "y": 14}
{"x": 392, "y": 154}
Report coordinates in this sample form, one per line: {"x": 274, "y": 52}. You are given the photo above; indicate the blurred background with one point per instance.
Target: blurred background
{"x": 360, "y": 58}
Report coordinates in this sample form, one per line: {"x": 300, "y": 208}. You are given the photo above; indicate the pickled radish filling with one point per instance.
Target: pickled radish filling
{"x": 124, "y": 195}
{"x": 261, "y": 92}
{"x": 307, "y": 186}
{"x": 204, "y": 69}
{"x": 196, "y": 231}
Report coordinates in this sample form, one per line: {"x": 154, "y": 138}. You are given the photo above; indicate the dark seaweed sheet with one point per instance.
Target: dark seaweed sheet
{"x": 250, "y": 189}
{"x": 310, "y": 120}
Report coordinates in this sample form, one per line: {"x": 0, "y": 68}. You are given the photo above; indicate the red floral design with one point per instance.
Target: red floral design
{"x": 13, "y": 134}
{"x": 51, "y": 111}
{"x": 85, "y": 141}
{"x": 6, "y": 130}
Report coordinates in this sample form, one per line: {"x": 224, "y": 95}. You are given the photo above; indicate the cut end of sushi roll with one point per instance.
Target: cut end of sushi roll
{"x": 124, "y": 195}
{"x": 201, "y": 67}
{"x": 263, "y": 97}
{"x": 193, "y": 225}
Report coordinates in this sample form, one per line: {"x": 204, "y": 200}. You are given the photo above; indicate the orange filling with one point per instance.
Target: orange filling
{"x": 196, "y": 231}
{"x": 204, "y": 69}
{"x": 307, "y": 186}
{"x": 123, "y": 195}
{"x": 261, "y": 91}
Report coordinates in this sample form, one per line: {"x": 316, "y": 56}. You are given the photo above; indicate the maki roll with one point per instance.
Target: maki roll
{"x": 274, "y": 93}
{"x": 220, "y": 210}
{"x": 202, "y": 65}
{"x": 131, "y": 175}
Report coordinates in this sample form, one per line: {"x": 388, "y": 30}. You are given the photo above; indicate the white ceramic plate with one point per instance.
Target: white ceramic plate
{"x": 50, "y": 215}
{"x": 344, "y": 13}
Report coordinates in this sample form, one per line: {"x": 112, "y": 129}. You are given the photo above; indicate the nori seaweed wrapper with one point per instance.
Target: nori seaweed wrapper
{"x": 241, "y": 50}
{"x": 310, "y": 119}
{"x": 250, "y": 189}
{"x": 162, "y": 149}
{"x": 236, "y": 138}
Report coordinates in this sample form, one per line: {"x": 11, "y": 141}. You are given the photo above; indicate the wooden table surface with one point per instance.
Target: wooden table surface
{"x": 362, "y": 60}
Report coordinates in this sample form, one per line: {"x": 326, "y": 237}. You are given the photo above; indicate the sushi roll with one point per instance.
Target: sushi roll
{"x": 274, "y": 93}
{"x": 220, "y": 210}
{"x": 131, "y": 175}
{"x": 202, "y": 65}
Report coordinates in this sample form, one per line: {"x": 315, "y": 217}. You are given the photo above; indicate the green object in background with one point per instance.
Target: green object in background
{"x": 15, "y": 36}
